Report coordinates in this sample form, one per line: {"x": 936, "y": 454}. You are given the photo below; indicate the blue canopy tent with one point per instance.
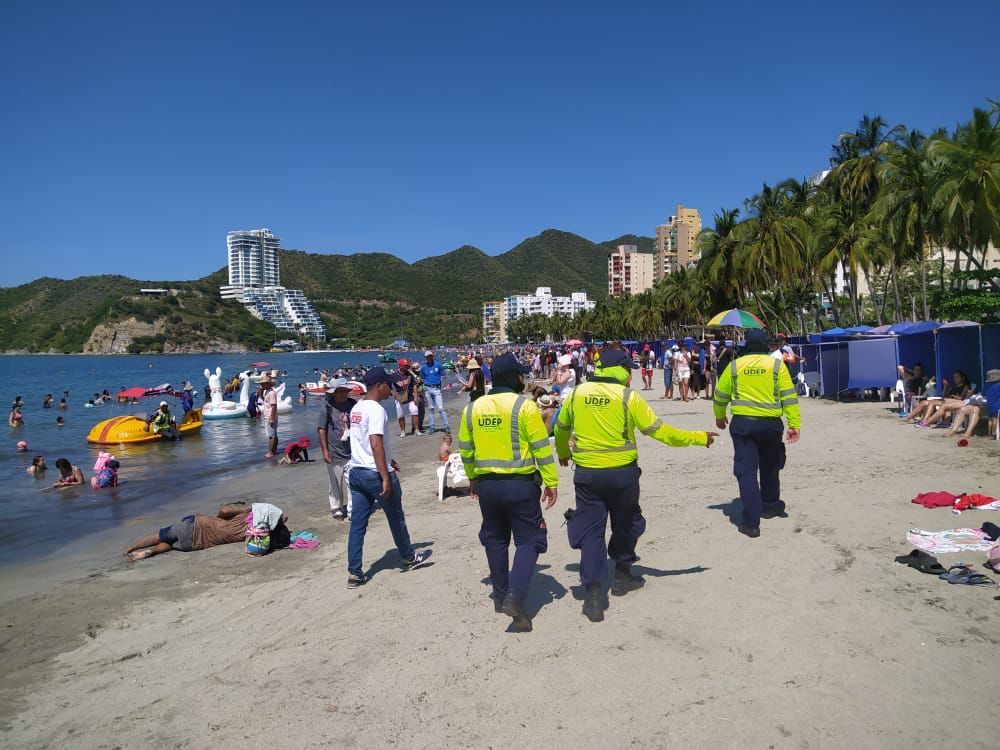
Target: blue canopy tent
{"x": 991, "y": 346}
{"x": 958, "y": 348}
{"x": 858, "y": 329}
{"x": 917, "y": 347}
{"x": 833, "y": 365}
{"x": 871, "y": 363}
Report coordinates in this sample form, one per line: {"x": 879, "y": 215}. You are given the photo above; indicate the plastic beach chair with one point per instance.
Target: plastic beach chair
{"x": 808, "y": 383}
{"x": 899, "y": 394}
{"x": 453, "y": 472}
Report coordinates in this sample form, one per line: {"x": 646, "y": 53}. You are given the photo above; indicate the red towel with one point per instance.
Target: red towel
{"x": 935, "y": 499}
{"x": 973, "y": 500}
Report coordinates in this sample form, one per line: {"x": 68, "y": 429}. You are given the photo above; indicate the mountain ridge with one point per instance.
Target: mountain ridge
{"x": 367, "y": 298}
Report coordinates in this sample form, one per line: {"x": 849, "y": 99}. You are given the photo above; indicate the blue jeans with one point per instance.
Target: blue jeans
{"x": 366, "y": 488}
{"x": 435, "y": 406}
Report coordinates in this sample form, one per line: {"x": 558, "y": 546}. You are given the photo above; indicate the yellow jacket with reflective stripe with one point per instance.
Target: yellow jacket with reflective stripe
{"x": 503, "y": 433}
{"x": 757, "y": 385}
{"x": 603, "y": 417}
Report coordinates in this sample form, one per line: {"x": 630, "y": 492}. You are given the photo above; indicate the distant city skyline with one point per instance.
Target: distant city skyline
{"x": 136, "y": 135}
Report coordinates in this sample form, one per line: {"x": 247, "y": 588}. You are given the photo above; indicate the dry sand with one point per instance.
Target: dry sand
{"x": 809, "y": 636}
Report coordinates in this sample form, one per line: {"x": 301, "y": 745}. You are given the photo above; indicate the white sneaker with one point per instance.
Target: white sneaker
{"x": 419, "y": 432}
{"x": 402, "y": 434}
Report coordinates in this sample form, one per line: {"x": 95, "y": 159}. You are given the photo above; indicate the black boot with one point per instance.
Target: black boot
{"x": 625, "y": 582}
{"x": 515, "y": 610}
{"x": 774, "y": 510}
{"x": 497, "y": 603}
{"x": 593, "y": 607}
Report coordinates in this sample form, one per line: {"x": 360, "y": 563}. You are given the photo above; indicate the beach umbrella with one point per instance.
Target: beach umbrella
{"x": 737, "y": 319}
{"x": 574, "y": 342}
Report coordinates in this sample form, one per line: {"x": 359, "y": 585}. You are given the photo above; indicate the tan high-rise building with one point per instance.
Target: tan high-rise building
{"x": 629, "y": 271}
{"x": 495, "y": 322}
{"x": 677, "y": 242}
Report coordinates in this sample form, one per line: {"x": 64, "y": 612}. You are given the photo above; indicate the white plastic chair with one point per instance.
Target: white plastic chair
{"x": 898, "y": 394}
{"x": 453, "y": 472}
{"x": 808, "y": 383}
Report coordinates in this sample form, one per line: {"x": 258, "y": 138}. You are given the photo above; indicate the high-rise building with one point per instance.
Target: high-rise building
{"x": 253, "y": 258}
{"x": 629, "y": 271}
{"x": 543, "y": 302}
{"x": 677, "y": 242}
{"x": 255, "y": 282}
{"x": 495, "y": 322}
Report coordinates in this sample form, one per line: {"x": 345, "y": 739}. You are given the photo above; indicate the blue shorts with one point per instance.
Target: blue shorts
{"x": 668, "y": 377}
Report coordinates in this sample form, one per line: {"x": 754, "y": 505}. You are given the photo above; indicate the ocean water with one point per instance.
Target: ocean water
{"x": 37, "y": 519}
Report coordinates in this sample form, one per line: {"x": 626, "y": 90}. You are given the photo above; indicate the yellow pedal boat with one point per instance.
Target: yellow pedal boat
{"x": 130, "y": 429}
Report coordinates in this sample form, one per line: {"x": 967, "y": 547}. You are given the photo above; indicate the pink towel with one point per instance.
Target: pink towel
{"x": 304, "y": 544}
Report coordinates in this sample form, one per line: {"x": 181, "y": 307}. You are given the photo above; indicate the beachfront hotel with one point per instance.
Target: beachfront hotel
{"x": 629, "y": 271}
{"x": 543, "y": 302}
{"x": 677, "y": 242}
{"x": 498, "y": 313}
{"x": 255, "y": 282}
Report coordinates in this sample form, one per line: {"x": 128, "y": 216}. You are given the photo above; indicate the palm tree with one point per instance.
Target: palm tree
{"x": 903, "y": 207}
{"x": 966, "y": 186}
{"x": 719, "y": 249}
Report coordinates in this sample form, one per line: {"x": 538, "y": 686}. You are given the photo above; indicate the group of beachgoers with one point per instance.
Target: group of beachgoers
{"x": 959, "y": 408}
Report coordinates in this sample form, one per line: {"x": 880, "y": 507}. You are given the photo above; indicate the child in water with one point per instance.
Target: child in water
{"x": 297, "y": 452}
{"x": 38, "y": 466}
{"x": 106, "y": 477}
{"x": 445, "y": 450}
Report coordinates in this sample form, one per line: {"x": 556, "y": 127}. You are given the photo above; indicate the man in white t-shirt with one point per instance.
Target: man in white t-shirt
{"x": 373, "y": 478}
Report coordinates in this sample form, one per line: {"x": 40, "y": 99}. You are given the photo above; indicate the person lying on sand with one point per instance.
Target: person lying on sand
{"x": 228, "y": 526}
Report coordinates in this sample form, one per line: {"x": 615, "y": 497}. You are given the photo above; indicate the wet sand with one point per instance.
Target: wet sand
{"x": 809, "y": 636}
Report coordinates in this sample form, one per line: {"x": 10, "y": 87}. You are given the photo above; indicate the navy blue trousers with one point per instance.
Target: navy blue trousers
{"x": 511, "y": 507}
{"x": 600, "y": 494}
{"x": 758, "y": 457}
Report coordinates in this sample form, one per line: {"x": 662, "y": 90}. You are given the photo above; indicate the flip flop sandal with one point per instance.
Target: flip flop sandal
{"x": 920, "y": 560}
{"x": 961, "y": 574}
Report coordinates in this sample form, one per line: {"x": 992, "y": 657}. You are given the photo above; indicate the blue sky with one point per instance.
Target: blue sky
{"x": 136, "y": 134}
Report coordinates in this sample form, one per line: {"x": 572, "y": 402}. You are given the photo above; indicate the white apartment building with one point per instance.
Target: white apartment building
{"x": 255, "y": 281}
{"x": 253, "y": 258}
{"x": 629, "y": 271}
{"x": 543, "y": 302}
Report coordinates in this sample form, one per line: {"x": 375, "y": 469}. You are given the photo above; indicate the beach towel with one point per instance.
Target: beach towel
{"x": 304, "y": 540}
{"x": 949, "y": 541}
{"x": 977, "y": 501}
{"x": 935, "y": 499}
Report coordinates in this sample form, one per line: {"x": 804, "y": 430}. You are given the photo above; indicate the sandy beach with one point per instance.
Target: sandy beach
{"x": 807, "y": 637}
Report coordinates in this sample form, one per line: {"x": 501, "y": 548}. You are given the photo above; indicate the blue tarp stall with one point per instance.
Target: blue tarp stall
{"x": 872, "y": 363}
{"x": 958, "y": 349}
{"x": 917, "y": 347}
{"x": 833, "y": 367}
{"x": 991, "y": 347}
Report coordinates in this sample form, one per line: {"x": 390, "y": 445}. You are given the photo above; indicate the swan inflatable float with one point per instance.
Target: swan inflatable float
{"x": 284, "y": 402}
{"x": 219, "y": 408}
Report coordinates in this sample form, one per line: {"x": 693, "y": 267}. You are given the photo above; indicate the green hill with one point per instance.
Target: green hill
{"x": 365, "y": 298}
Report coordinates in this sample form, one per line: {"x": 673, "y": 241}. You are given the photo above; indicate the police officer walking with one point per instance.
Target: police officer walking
{"x": 602, "y": 415}
{"x": 505, "y": 449}
{"x": 759, "y": 391}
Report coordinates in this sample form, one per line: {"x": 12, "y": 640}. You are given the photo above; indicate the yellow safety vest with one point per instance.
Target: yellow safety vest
{"x": 757, "y": 385}
{"x": 603, "y": 416}
{"x": 503, "y": 433}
